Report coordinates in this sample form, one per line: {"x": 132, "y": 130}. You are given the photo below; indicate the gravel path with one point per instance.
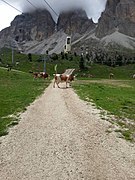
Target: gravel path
{"x": 60, "y": 137}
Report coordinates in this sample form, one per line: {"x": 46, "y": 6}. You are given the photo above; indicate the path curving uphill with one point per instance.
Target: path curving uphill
{"x": 60, "y": 137}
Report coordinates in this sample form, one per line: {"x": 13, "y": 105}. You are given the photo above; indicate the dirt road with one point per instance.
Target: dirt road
{"x": 60, "y": 137}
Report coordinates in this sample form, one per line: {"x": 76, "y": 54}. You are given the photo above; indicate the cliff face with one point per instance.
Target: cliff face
{"x": 75, "y": 22}
{"x": 36, "y": 26}
{"x": 27, "y": 27}
{"x": 119, "y": 15}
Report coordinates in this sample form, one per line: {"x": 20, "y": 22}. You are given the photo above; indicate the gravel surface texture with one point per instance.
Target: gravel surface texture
{"x": 61, "y": 137}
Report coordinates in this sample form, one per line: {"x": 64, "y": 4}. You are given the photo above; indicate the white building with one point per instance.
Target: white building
{"x": 67, "y": 47}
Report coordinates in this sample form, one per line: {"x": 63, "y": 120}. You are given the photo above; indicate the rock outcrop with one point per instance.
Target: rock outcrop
{"x": 119, "y": 15}
{"x": 30, "y": 26}
{"x": 76, "y": 21}
{"x": 34, "y": 26}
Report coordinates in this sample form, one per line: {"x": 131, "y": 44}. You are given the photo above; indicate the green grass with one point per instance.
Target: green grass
{"x": 118, "y": 100}
{"x": 17, "y": 90}
{"x": 25, "y": 65}
{"x": 103, "y": 71}
{"x": 116, "y": 97}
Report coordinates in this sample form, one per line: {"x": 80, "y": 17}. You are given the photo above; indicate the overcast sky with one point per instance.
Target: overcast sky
{"x": 93, "y": 8}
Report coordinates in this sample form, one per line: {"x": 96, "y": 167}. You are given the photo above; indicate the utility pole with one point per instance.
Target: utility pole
{"x": 46, "y": 57}
{"x": 44, "y": 63}
{"x": 13, "y": 44}
{"x": 12, "y": 55}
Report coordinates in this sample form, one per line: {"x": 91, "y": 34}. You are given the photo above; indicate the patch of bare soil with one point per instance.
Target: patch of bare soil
{"x": 61, "y": 137}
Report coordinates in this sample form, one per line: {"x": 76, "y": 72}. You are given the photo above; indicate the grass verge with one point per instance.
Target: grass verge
{"x": 17, "y": 91}
{"x": 116, "y": 97}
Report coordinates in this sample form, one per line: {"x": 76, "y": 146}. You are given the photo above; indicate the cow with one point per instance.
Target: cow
{"x": 111, "y": 75}
{"x": 58, "y": 78}
{"x": 133, "y": 76}
{"x": 40, "y": 75}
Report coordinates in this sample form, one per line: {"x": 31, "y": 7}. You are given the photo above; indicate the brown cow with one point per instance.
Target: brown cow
{"x": 58, "y": 78}
{"x": 40, "y": 75}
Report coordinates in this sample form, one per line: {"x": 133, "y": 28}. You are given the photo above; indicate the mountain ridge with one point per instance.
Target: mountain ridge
{"x": 37, "y": 32}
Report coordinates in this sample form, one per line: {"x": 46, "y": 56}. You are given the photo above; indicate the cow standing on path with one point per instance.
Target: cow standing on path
{"x": 58, "y": 78}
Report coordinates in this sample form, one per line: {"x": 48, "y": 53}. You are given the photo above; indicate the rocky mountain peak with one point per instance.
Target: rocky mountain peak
{"x": 31, "y": 26}
{"x": 119, "y": 15}
{"x": 75, "y": 21}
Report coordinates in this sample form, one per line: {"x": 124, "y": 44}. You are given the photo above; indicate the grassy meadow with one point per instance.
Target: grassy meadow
{"x": 17, "y": 91}
{"x": 22, "y": 63}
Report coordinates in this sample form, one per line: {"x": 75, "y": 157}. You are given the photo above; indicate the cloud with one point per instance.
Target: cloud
{"x": 93, "y": 8}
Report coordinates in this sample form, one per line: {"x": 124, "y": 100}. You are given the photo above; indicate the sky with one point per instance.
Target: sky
{"x": 93, "y": 8}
